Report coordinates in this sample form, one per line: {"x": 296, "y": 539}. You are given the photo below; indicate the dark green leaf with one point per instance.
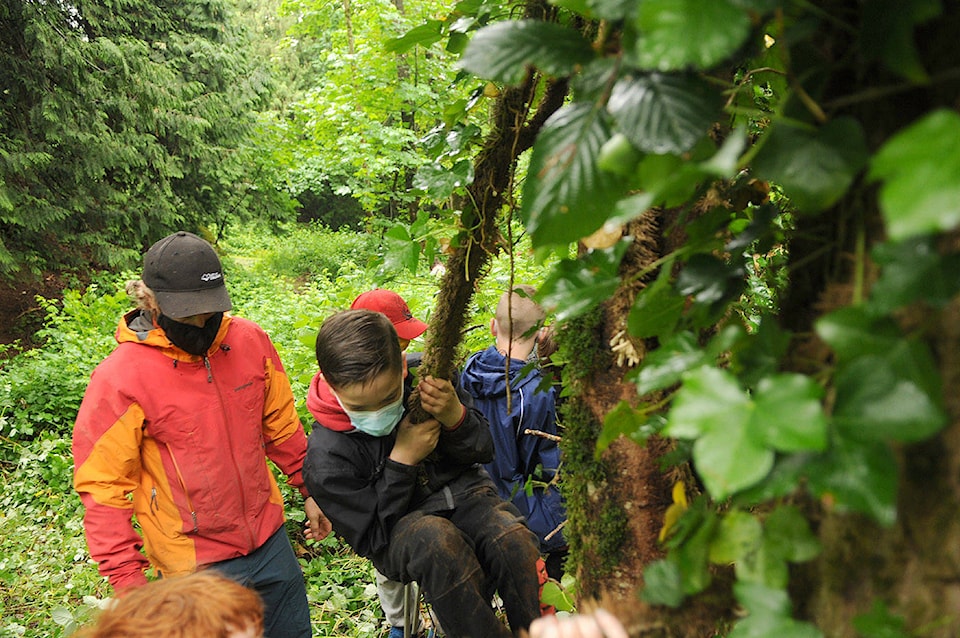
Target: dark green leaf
{"x": 787, "y": 533}
{"x": 627, "y": 421}
{"x": 663, "y": 113}
{"x": 662, "y": 584}
{"x": 920, "y": 170}
{"x": 425, "y": 35}
{"x": 887, "y": 34}
{"x": 566, "y": 196}
{"x": 852, "y": 333}
{"x": 878, "y": 399}
{"x": 761, "y": 600}
{"x": 709, "y": 280}
{"x": 664, "y": 366}
{"x": 656, "y": 310}
{"x": 764, "y": 566}
{"x": 400, "y": 250}
{"x": 676, "y": 34}
{"x": 574, "y": 286}
{"x": 913, "y": 269}
{"x": 502, "y": 51}
{"x": 692, "y": 557}
{"x": 439, "y": 182}
{"x": 739, "y": 534}
{"x": 788, "y": 415}
{"x": 880, "y": 623}
{"x": 857, "y": 476}
{"x": 814, "y": 168}
{"x": 760, "y": 354}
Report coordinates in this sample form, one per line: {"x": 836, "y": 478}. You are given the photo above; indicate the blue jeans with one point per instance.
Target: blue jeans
{"x": 273, "y": 571}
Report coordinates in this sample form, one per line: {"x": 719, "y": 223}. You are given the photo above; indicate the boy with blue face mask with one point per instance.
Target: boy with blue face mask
{"x": 414, "y": 499}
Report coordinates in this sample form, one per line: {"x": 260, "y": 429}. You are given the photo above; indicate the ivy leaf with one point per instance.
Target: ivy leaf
{"x": 920, "y": 170}
{"x": 788, "y": 413}
{"x": 502, "y": 51}
{"x": 913, "y": 269}
{"x": 656, "y": 310}
{"x": 739, "y": 534}
{"x": 401, "y": 251}
{"x": 440, "y": 182}
{"x": 663, "y": 113}
{"x": 665, "y": 366}
{"x": 887, "y": 34}
{"x": 425, "y": 35}
{"x": 710, "y": 280}
{"x": 676, "y": 34}
{"x": 626, "y": 420}
{"x": 857, "y": 476}
{"x": 814, "y": 168}
{"x": 765, "y": 566}
{"x": 692, "y": 557}
{"x": 787, "y": 533}
{"x": 566, "y": 195}
{"x": 880, "y": 623}
{"x": 761, "y": 600}
{"x": 712, "y": 408}
{"x": 662, "y": 584}
{"x": 852, "y": 333}
{"x": 574, "y": 286}
{"x": 878, "y": 398}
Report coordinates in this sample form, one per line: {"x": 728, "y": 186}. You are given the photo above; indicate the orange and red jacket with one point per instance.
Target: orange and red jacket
{"x": 181, "y": 442}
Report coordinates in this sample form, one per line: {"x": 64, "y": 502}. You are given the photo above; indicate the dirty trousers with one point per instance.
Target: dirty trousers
{"x": 460, "y": 556}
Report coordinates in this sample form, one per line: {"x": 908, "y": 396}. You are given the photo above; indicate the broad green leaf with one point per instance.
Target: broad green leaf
{"x": 662, "y": 584}
{"x": 574, "y": 286}
{"x": 624, "y": 420}
{"x": 761, "y": 600}
{"x": 663, "y": 113}
{"x": 920, "y": 171}
{"x": 400, "y": 250}
{"x": 615, "y": 10}
{"x": 709, "y": 401}
{"x": 618, "y": 155}
{"x": 692, "y": 557}
{"x": 788, "y": 415}
{"x": 439, "y": 182}
{"x": 878, "y": 400}
{"x": 712, "y": 408}
{"x": 913, "y": 269}
{"x": 709, "y": 280}
{"x": 783, "y": 480}
{"x": 665, "y": 366}
{"x": 677, "y": 34}
{"x": 656, "y": 310}
{"x": 759, "y": 355}
{"x": 739, "y": 533}
{"x": 778, "y": 626}
{"x": 814, "y": 168}
{"x": 787, "y": 533}
{"x": 731, "y": 461}
{"x": 502, "y": 51}
{"x": 553, "y": 594}
{"x": 425, "y": 35}
{"x": 764, "y": 565}
{"x": 879, "y": 622}
{"x": 852, "y": 333}
{"x": 887, "y": 34}
{"x": 857, "y": 476}
{"x": 668, "y": 179}
{"x": 566, "y": 196}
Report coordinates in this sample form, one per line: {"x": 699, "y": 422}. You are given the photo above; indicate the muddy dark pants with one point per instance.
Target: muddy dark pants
{"x": 460, "y": 556}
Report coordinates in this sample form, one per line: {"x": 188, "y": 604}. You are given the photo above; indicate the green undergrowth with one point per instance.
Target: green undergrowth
{"x": 288, "y": 284}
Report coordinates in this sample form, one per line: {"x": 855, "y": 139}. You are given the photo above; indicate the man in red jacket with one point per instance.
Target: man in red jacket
{"x": 174, "y": 429}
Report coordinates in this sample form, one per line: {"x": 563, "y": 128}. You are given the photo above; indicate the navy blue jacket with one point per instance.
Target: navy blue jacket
{"x": 518, "y": 456}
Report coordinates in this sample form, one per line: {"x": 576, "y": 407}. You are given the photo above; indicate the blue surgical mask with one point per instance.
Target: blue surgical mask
{"x": 376, "y": 422}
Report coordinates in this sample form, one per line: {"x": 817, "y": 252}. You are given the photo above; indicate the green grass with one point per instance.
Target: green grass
{"x": 288, "y": 284}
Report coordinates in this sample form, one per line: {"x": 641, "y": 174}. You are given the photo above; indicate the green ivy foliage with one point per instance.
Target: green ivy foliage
{"x": 667, "y": 99}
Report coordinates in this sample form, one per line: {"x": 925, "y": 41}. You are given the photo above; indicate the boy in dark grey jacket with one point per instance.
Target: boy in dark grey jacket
{"x": 413, "y": 498}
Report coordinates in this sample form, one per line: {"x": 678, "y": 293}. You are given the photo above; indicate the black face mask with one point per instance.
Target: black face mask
{"x": 190, "y": 338}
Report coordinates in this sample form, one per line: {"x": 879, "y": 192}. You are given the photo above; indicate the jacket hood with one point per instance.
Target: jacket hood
{"x": 324, "y": 406}
{"x": 483, "y": 375}
{"x": 137, "y": 327}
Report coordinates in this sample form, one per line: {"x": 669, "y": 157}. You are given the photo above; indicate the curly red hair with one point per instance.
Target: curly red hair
{"x": 204, "y": 604}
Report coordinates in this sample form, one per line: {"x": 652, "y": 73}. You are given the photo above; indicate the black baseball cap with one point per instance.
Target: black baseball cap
{"x": 185, "y": 273}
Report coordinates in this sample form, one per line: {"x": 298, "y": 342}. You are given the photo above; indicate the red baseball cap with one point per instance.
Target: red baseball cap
{"x": 396, "y": 309}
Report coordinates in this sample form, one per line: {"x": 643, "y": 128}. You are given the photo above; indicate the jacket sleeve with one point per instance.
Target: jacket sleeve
{"x": 362, "y": 501}
{"x": 471, "y": 442}
{"x": 106, "y": 451}
{"x": 283, "y": 434}
{"x": 537, "y": 450}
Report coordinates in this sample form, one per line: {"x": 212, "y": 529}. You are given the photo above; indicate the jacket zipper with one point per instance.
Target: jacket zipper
{"x": 183, "y": 487}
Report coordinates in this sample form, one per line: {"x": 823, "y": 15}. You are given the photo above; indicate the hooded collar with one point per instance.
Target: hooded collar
{"x": 324, "y": 406}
